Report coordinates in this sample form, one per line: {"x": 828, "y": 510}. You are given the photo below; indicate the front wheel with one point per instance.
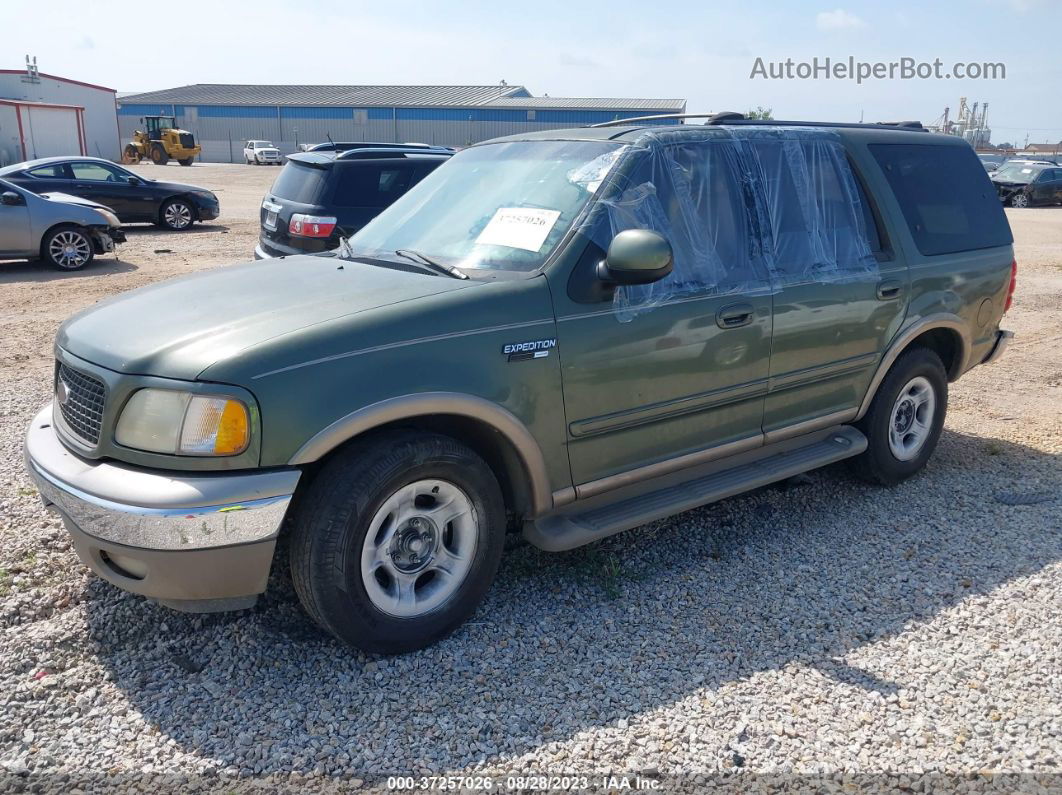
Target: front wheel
{"x": 67, "y": 248}
{"x": 396, "y": 542}
{"x": 186, "y": 161}
{"x": 1020, "y": 200}
{"x": 905, "y": 419}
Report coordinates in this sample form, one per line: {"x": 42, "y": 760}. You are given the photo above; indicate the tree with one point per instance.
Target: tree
{"x": 759, "y": 113}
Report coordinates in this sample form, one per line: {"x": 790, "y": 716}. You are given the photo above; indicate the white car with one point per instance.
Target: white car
{"x": 258, "y": 152}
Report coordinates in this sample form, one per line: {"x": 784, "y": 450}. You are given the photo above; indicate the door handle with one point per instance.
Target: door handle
{"x": 734, "y": 316}
{"x": 888, "y": 290}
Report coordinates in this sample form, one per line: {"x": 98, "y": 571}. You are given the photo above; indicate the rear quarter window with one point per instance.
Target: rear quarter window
{"x": 299, "y": 183}
{"x": 947, "y": 198}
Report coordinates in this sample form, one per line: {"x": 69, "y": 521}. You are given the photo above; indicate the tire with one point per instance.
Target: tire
{"x": 185, "y": 161}
{"x": 68, "y": 248}
{"x": 132, "y": 154}
{"x": 352, "y": 586}
{"x": 911, "y": 401}
{"x": 1019, "y": 200}
{"x": 159, "y": 156}
{"x": 177, "y": 214}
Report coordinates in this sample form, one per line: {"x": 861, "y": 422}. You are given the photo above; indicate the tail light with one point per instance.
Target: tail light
{"x": 1013, "y": 284}
{"x": 302, "y": 225}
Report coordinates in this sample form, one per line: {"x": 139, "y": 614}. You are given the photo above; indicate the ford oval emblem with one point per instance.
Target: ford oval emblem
{"x": 62, "y": 392}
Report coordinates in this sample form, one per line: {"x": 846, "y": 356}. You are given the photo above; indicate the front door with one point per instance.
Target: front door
{"x": 105, "y": 184}
{"x": 15, "y": 229}
{"x": 652, "y": 373}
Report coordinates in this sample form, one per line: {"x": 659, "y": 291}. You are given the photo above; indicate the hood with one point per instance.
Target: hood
{"x": 179, "y": 328}
{"x": 66, "y": 198}
{"x": 179, "y": 187}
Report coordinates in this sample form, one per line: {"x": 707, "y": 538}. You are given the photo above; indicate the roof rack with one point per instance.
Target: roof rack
{"x": 391, "y": 151}
{"x": 730, "y": 117}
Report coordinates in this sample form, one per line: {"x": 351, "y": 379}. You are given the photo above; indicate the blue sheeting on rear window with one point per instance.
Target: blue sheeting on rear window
{"x": 746, "y": 210}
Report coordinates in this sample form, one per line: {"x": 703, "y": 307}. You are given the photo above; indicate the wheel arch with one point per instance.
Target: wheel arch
{"x": 945, "y": 334}
{"x": 63, "y": 225}
{"x": 491, "y": 430}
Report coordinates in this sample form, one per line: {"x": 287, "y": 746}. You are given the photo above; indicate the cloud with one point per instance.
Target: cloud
{"x": 838, "y": 19}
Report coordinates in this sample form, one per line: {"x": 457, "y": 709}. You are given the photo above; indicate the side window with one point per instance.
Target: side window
{"x": 57, "y": 171}
{"x": 94, "y": 172}
{"x": 816, "y": 225}
{"x": 692, "y": 194}
{"x": 364, "y": 184}
{"x": 947, "y": 199}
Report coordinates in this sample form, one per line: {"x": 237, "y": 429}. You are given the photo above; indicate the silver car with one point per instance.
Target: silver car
{"x": 64, "y": 231}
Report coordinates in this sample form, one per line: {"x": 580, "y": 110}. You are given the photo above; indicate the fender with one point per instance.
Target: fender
{"x": 944, "y": 320}
{"x": 424, "y": 403}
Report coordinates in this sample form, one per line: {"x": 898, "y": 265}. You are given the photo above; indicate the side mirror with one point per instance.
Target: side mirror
{"x": 132, "y": 180}
{"x": 636, "y": 256}
{"x": 10, "y": 198}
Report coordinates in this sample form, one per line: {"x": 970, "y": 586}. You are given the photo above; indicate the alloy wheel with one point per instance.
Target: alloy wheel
{"x": 70, "y": 249}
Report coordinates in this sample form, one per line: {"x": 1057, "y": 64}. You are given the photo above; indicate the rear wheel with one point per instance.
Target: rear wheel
{"x": 905, "y": 419}
{"x": 159, "y": 156}
{"x": 177, "y": 214}
{"x": 396, "y": 543}
{"x": 68, "y": 248}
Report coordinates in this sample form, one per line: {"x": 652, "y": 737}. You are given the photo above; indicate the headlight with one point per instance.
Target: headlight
{"x": 112, "y": 219}
{"x": 181, "y": 423}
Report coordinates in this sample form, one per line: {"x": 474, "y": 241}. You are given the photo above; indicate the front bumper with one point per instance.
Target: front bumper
{"x": 199, "y": 542}
{"x": 207, "y": 211}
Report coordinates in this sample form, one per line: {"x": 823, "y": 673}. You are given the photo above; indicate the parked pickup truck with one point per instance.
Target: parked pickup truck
{"x": 566, "y": 334}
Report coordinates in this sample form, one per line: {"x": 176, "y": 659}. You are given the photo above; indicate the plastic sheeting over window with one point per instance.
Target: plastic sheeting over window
{"x": 745, "y": 210}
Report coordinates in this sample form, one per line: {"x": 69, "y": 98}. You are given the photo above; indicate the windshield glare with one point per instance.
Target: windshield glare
{"x": 1016, "y": 173}
{"x": 501, "y": 206}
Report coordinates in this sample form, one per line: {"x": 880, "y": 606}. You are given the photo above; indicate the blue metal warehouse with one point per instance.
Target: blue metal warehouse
{"x": 223, "y": 117}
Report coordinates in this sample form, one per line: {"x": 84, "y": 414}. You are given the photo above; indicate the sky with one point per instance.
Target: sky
{"x": 703, "y": 52}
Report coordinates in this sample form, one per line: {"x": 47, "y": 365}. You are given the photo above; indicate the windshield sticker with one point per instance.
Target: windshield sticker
{"x": 519, "y": 227}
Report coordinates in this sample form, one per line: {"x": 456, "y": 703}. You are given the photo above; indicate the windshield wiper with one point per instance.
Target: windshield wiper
{"x": 438, "y": 267}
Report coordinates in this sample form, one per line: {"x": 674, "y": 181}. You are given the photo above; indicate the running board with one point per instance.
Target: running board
{"x": 570, "y": 529}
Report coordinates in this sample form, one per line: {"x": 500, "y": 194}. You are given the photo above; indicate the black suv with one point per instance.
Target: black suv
{"x": 320, "y": 197}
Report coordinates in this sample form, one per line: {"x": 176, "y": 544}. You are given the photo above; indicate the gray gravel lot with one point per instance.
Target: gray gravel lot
{"x": 824, "y": 628}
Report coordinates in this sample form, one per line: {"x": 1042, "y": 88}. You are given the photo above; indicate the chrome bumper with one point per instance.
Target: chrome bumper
{"x": 180, "y": 537}
{"x": 1003, "y": 339}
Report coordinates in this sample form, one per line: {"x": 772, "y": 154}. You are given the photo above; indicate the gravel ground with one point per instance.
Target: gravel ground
{"x": 821, "y": 630}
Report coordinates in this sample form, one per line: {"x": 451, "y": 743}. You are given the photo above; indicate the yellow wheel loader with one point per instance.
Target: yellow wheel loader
{"x": 159, "y": 141}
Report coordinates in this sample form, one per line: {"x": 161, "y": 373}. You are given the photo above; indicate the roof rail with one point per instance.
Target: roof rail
{"x": 392, "y": 151}
{"x": 730, "y": 117}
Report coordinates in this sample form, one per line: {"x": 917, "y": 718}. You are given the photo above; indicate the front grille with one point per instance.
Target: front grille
{"x": 82, "y": 404}
{"x": 187, "y": 140}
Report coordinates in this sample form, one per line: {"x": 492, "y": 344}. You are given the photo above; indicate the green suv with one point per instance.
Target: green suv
{"x": 566, "y": 334}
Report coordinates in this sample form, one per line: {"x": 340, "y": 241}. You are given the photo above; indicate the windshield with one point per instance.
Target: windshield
{"x": 166, "y": 124}
{"x": 263, "y": 145}
{"x": 1016, "y": 173}
{"x": 501, "y": 206}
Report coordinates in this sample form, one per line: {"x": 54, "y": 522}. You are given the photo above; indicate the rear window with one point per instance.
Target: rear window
{"x": 366, "y": 184}
{"x": 947, "y": 199}
{"x": 299, "y": 183}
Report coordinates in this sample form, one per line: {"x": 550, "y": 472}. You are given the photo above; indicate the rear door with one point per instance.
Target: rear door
{"x": 43, "y": 179}
{"x": 363, "y": 188}
{"x": 299, "y": 188}
{"x": 841, "y": 295}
